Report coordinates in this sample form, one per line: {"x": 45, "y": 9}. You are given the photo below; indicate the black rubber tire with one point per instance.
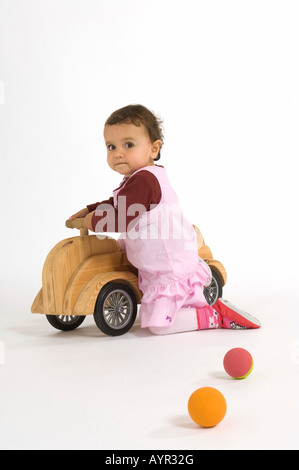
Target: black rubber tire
{"x": 121, "y": 300}
{"x": 213, "y": 292}
{"x": 65, "y": 322}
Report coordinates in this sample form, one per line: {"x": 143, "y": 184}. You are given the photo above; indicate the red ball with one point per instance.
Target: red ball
{"x": 238, "y": 363}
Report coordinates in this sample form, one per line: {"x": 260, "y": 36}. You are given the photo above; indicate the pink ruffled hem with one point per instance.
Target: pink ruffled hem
{"x": 178, "y": 289}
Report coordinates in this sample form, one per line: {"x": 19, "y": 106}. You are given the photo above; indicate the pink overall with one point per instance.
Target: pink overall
{"x": 163, "y": 247}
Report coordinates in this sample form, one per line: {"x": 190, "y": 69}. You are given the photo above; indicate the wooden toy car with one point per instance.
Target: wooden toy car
{"x": 91, "y": 275}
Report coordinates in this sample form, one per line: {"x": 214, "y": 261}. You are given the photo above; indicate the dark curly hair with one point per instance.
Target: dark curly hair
{"x": 137, "y": 114}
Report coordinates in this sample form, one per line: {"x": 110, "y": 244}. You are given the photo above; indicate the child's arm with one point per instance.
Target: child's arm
{"x": 90, "y": 208}
{"x": 142, "y": 189}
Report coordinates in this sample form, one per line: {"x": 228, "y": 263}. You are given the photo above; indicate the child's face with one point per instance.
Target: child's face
{"x": 129, "y": 148}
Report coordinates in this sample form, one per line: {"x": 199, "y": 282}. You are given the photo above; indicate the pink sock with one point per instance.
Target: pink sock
{"x": 191, "y": 319}
{"x": 207, "y": 318}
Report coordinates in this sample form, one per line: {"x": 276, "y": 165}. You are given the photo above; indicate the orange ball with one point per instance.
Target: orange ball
{"x": 207, "y": 407}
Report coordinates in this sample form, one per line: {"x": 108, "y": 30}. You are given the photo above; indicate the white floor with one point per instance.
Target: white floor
{"x": 227, "y": 89}
{"x": 84, "y": 390}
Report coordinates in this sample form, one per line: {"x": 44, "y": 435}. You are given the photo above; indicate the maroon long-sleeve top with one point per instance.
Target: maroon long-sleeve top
{"x": 141, "y": 188}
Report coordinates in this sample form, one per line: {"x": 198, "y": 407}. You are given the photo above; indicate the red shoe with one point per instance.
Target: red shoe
{"x": 232, "y": 317}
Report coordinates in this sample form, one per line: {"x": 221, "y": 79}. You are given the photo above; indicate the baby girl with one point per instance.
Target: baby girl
{"x": 158, "y": 241}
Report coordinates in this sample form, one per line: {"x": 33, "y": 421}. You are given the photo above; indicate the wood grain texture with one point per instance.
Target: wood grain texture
{"x": 77, "y": 268}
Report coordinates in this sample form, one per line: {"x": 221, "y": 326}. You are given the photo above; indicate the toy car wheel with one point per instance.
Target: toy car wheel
{"x": 65, "y": 322}
{"x": 214, "y": 291}
{"x": 116, "y": 309}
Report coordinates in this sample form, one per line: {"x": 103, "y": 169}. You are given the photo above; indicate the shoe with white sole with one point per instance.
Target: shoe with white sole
{"x": 231, "y": 317}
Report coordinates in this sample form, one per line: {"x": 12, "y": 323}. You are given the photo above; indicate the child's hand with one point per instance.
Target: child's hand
{"x": 87, "y": 221}
{"x": 82, "y": 213}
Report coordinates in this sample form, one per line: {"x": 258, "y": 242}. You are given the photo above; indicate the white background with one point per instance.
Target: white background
{"x": 224, "y": 77}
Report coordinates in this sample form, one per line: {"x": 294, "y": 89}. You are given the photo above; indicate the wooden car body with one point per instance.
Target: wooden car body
{"x": 77, "y": 268}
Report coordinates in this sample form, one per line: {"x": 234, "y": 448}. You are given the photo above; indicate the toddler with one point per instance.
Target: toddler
{"x": 158, "y": 241}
